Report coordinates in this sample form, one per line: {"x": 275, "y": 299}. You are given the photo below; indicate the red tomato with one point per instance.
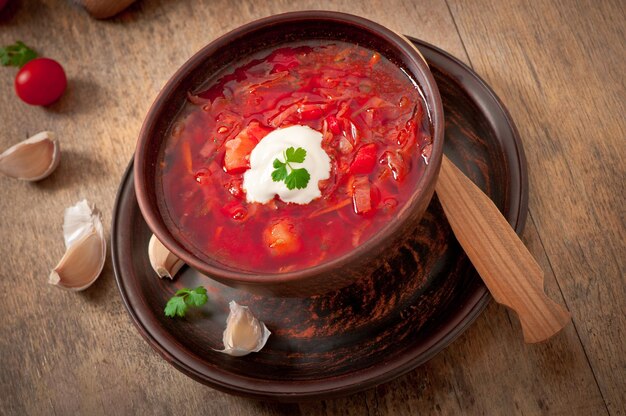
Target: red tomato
{"x": 333, "y": 124}
{"x": 311, "y": 112}
{"x": 41, "y": 81}
{"x": 364, "y": 160}
{"x": 237, "y": 157}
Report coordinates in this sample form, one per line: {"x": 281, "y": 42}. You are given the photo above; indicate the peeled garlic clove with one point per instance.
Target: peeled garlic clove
{"x": 164, "y": 263}
{"x": 244, "y": 333}
{"x": 81, "y": 265}
{"x": 84, "y": 258}
{"x": 33, "y": 159}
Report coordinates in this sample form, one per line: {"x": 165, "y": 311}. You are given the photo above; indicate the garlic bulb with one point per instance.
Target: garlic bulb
{"x": 103, "y": 9}
{"x": 33, "y": 159}
{"x": 85, "y": 248}
{"x": 164, "y": 263}
{"x": 244, "y": 333}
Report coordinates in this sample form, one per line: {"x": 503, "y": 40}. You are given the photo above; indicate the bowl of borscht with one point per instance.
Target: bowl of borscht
{"x": 293, "y": 155}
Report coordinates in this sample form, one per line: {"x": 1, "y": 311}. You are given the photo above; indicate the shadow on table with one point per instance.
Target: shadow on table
{"x": 81, "y": 96}
{"x": 75, "y": 169}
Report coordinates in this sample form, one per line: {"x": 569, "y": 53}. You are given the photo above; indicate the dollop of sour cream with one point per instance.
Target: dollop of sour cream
{"x": 257, "y": 181}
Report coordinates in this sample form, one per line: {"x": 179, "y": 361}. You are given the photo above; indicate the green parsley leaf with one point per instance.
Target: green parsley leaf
{"x": 183, "y": 299}
{"x": 295, "y": 155}
{"x": 294, "y": 178}
{"x": 175, "y": 306}
{"x": 17, "y": 54}
{"x": 197, "y": 297}
{"x": 279, "y": 174}
{"x": 298, "y": 178}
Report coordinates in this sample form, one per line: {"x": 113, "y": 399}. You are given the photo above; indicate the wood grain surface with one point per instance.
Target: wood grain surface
{"x": 557, "y": 65}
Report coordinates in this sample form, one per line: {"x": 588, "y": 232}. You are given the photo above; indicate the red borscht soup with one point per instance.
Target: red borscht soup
{"x": 373, "y": 126}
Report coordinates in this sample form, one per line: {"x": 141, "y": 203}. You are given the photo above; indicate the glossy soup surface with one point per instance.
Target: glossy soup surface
{"x": 374, "y": 128}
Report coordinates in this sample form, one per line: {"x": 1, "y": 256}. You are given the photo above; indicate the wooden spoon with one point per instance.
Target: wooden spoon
{"x": 506, "y": 266}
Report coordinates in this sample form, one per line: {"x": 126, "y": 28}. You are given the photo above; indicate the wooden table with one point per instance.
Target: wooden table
{"x": 559, "y": 68}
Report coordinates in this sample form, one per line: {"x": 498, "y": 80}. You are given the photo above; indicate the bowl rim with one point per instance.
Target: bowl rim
{"x": 152, "y": 213}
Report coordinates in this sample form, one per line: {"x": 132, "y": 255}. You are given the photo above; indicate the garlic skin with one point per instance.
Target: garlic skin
{"x": 85, "y": 252}
{"x": 33, "y": 159}
{"x": 164, "y": 263}
{"x": 244, "y": 333}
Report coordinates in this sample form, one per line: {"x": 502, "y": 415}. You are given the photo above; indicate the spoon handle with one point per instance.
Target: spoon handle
{"x": 506, "y": 266}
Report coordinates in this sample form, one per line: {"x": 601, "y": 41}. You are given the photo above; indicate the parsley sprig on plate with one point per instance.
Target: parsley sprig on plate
{"x": 183, "y": 299}
{"x": 284, "y": 171}
{"x": 17, "y": 54}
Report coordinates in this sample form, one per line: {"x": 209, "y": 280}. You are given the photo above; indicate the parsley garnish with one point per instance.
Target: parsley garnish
{"x": 17, "y": 54}
{"x": 183, "y": 299}
{"x": 283, "y": 171}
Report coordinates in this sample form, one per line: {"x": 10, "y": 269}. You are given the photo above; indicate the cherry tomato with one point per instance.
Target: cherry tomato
{"x": 41, "y": 81}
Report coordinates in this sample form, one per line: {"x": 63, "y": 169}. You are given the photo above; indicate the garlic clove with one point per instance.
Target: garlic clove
{"x": 81, "y": 264}
{"x": 244, "y": 333}
{"x": 164, "y": 263}
{"x": 33, "y": 159}
{"x": 84, "y": 258}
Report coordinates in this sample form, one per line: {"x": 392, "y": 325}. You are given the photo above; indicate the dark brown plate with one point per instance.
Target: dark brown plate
{"x": 362, "y": 335}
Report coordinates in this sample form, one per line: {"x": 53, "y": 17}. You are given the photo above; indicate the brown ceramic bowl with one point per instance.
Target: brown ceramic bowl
{"x": 241, "y": 42}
